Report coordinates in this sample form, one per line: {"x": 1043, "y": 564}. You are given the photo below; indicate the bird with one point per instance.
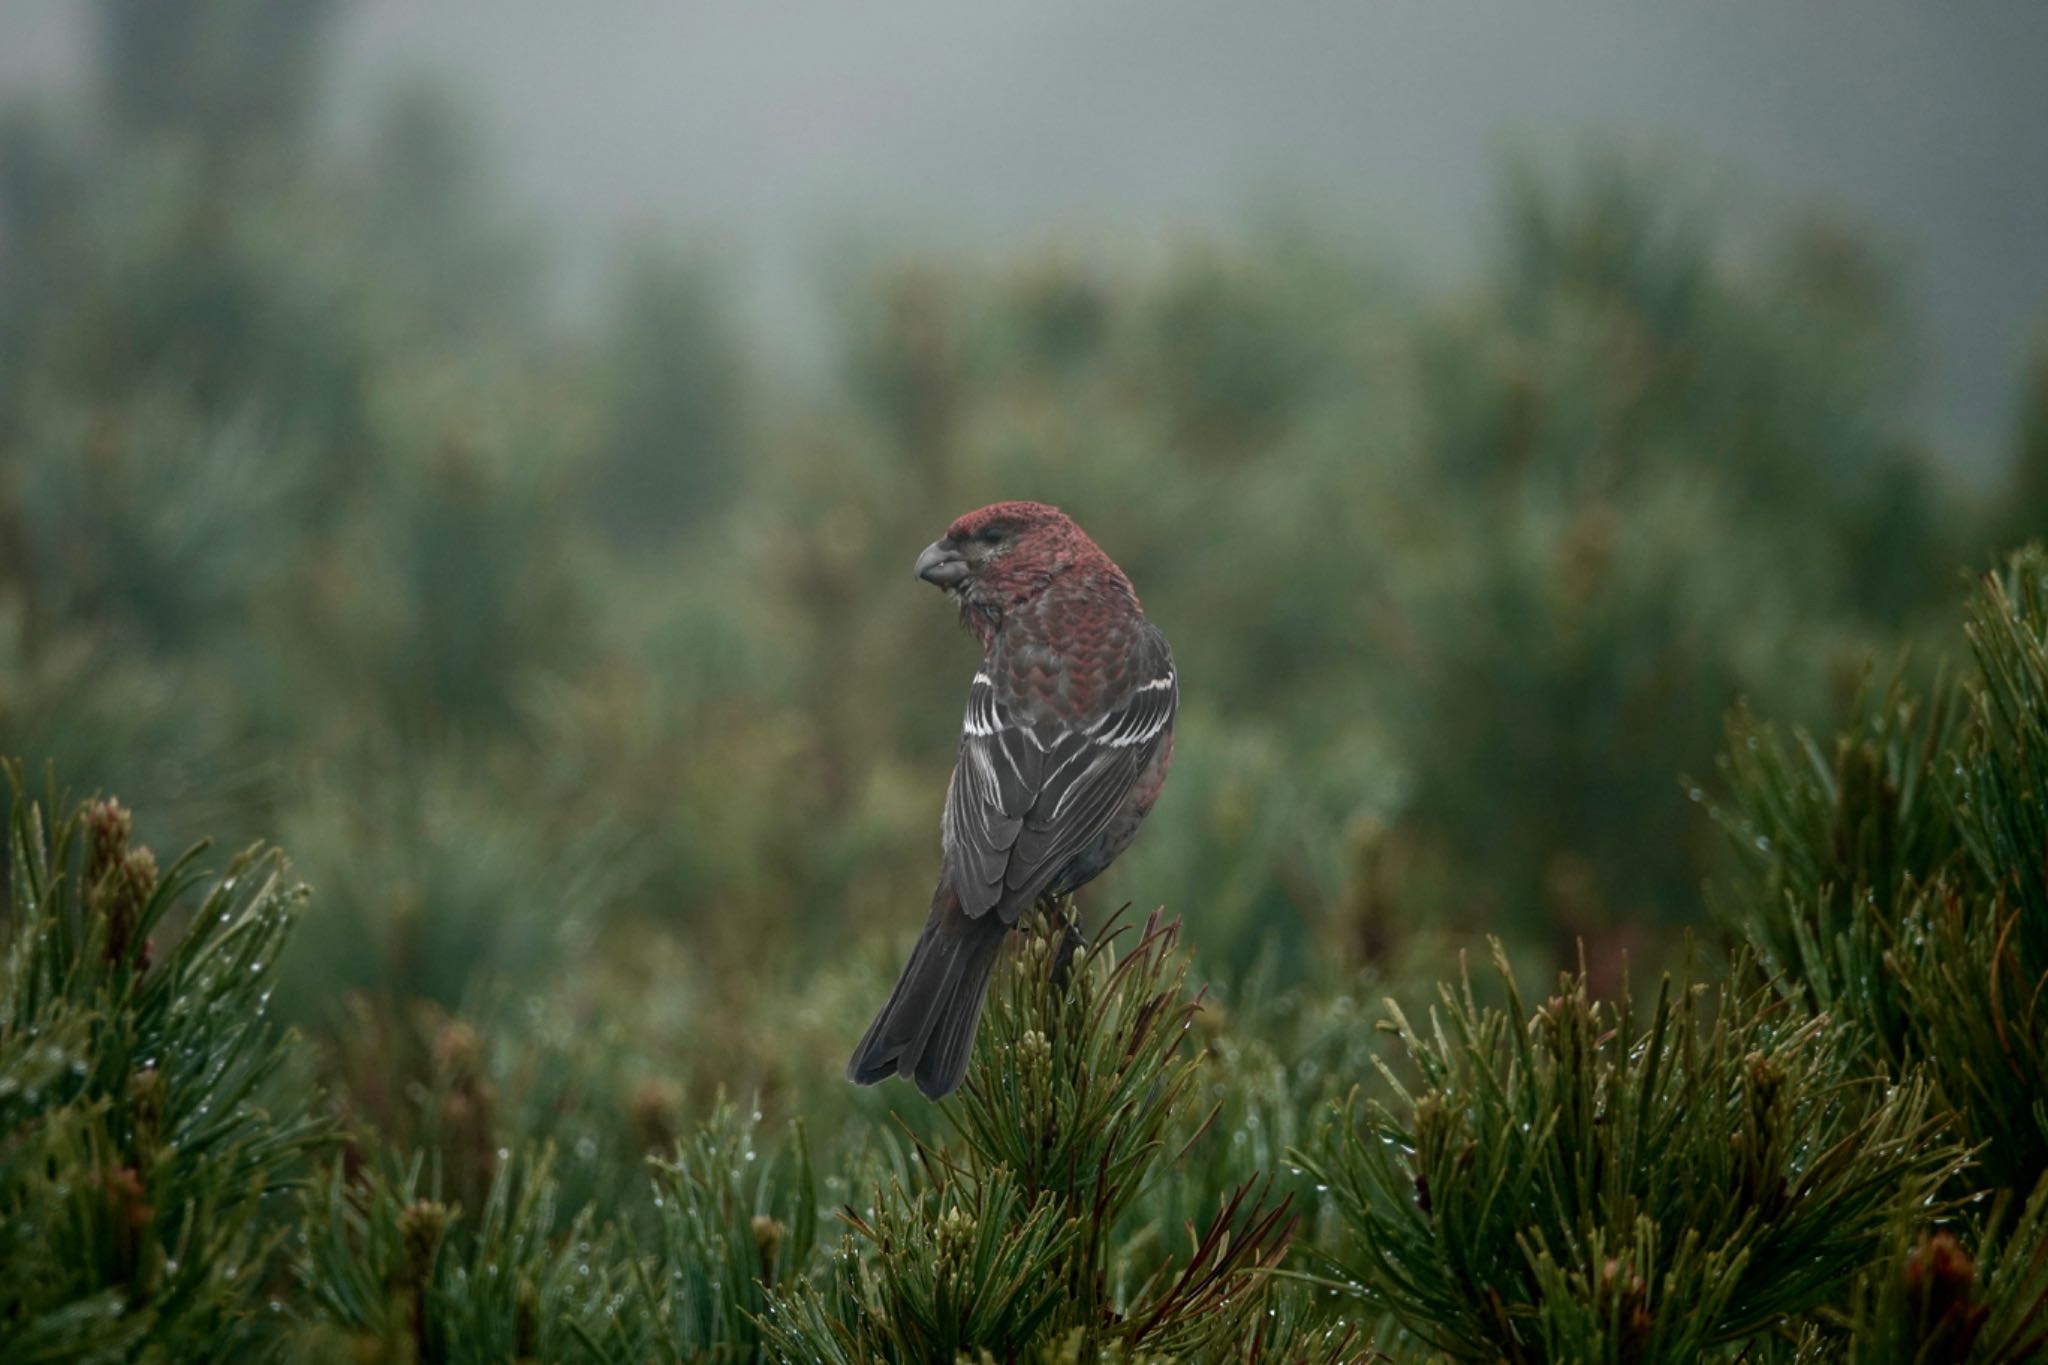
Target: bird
{"x": 1066, "y": 742}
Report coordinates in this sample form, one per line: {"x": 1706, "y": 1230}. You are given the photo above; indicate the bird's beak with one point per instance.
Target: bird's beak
{"x": 942, "y": 565}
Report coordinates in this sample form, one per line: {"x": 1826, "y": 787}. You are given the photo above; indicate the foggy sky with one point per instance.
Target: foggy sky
{"x": 763, "y": 126}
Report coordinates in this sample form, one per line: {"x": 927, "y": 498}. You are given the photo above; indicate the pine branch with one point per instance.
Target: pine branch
{"x": 737, "y": 1227}
{"x": 1935, "y": 1299}
{"x": 1902, "y": 889}
{"x": 1578, "y": 1183}
{"x": 1831, "y": 843}
{"x": 398, "y": 1274}
{"x": 1019, "y": 1244}
{"x": 147, "y": 1110}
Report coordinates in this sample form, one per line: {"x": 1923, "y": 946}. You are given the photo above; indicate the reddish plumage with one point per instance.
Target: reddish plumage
{"x": 1066, "y": 743}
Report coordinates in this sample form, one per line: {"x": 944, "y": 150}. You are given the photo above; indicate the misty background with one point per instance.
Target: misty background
{"x": 481, "y": 448}
{"x": 776, "y": 134}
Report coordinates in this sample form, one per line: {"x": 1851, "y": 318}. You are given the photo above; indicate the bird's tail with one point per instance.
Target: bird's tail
{"x": 926, "y": 1030}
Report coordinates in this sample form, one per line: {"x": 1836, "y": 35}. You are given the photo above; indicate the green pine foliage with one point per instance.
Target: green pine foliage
{"x": 1828, "y": 839}
{"x": 1898, "y": 889}
{"x": 1020, "y": 1242}
{"x": 1900, "y": 886}
{"x": 1934, "y": 1299}
{"x": 738, "y": 1227}
{"x": 1742, "y": 1170}
{"x": 149, "y": 1120}
{"x": 148, "y": 1173}
{"x": 569, "y": 661}
{"x": 390, "y": 1272}
{"x": 1586, "y": 1183}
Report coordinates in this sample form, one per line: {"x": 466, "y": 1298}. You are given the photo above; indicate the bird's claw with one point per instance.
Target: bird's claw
{"x": 1071, "y": 942}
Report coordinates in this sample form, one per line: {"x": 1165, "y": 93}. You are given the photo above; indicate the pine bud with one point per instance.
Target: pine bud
{"x": 146, "y": 1096}
{"x": 1623, "y": 1296}
{"x": 421, "y": 1227}
{"x": 955, "y": 1237}
{"x": 655, "y": 1114}
{"x": 769, "y": 1234}
{"x": 129, "y": 1200}
{"x": 467, "y": 1107}
{"x": 129, "y": 1215}
{"x": 1941, "y": 1279}
{"x": 1034, "y": 1058}
{"x": 108, "y": 826}
{"x": 118, "y": 880}
{"x": 128, "y": 889}
{"x": 458, "y": 1054}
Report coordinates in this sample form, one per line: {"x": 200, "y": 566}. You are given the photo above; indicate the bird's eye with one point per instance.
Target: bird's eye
{"x": 989, "y": 535}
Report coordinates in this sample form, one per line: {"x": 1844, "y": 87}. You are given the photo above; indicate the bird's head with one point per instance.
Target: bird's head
{"x": 999, "y": 555}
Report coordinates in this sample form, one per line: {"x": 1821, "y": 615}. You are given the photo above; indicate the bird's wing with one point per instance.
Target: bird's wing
{"x": 1025, "y": 799}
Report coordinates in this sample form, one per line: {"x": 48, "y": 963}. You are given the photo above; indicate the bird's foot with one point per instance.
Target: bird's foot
{"x": 1071, "y": 942}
